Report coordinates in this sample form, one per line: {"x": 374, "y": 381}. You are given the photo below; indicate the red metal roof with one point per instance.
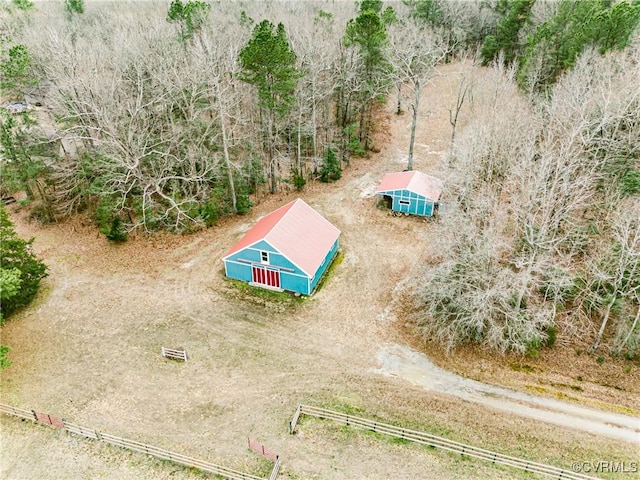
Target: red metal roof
{"x": 414, "y": 181}
{"x": 297, "y": 231}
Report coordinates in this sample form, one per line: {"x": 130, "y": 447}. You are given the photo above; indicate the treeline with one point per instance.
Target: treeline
{"x": 541, "y": 39}
{"x": 544, "y": 245}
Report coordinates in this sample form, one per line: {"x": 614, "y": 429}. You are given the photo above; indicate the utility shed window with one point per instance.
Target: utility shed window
{"x": 404, "y": 202}
{"x": 264, "y": 257}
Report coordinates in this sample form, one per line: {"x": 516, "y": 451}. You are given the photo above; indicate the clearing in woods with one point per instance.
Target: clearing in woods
{"x": 89, "y": 348}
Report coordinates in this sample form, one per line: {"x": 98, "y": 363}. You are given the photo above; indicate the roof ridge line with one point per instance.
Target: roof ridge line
{"x": 281, "y": 218}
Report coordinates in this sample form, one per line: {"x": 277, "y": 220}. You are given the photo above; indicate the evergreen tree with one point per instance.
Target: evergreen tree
{"x": 190, "y": 16}
{"x": 4, "y": 361}
{"x": 368, "y": 32}
{"x": 23, "y": 4}
{"x": 559, "y": 41}
{"x": 20, "y": 271}
{"x": 430, "y": 12}
{"x": 269, "y": 63}
{"x": 19, "y": 148}
{"x": 330, "y": 170}
{"x": 116, "y": 233}
{"x": 15, "y": 70}
{"x": 515, "y": 15}
{"x": 73, "y": 7}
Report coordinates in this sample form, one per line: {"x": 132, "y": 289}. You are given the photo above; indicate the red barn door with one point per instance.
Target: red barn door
{"x": 266, "y": 276}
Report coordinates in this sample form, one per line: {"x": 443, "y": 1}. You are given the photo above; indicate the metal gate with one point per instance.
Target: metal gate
{"x": 266, "y": 276}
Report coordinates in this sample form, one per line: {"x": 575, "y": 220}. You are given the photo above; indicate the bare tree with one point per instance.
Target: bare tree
{"x": 317, "y": 47}
{"x": 414, "y": 54}
{"x": 533, "y": 182}
{"x": 465, "y": 89}
{"x": 617, "y": 272}
{"x": 472, "y": 295}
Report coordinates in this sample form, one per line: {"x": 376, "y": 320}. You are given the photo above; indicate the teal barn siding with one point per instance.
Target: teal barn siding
{"x": 325, "y": 265}
{"x": 239, "y": 265}
{"x": 289, "y": 249}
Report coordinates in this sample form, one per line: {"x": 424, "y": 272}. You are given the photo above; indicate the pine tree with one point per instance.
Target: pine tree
{"x": 15, "y": 70}
{"x": 559, "y": 41}
{"x": 516, "y": 13}
{"x": 20, "y": 271}
{"x": 330, "y": 170}
{"x": 368, "y": 32}
{"x": 269, "y": 63}
{"x": 74, "y": 7}
{"x": 190, "y": 16}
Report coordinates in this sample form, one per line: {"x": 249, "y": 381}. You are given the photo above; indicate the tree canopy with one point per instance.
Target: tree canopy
{"x": 269, "y": 64}
{"x": 578, "y": 24}
{"x": 506, "y": 38}
{"x": 177, "y": 130}
{"x": 190, "y": 16}
{"x": 20, "y": 270}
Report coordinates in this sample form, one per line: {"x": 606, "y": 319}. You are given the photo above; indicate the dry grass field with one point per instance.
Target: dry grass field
{"x": 89, "y": 347}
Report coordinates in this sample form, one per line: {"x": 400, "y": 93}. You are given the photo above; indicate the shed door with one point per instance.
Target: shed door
{"x": 266, "y": 276}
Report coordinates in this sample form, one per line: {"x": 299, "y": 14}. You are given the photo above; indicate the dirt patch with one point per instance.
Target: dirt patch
{"x": 402, "y": 361}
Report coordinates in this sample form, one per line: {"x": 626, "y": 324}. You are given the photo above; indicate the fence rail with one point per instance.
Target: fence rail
{"x": 174, "y": 354}
{"x": 275, "y": 470}
{"x": 434, "y": 441}
{"x": 140, "y": 447}
{"x": 18, "y": 412}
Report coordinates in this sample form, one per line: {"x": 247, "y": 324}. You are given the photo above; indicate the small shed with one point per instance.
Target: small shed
{"x": 289, "y": 249}
{"x": 411, "y": 192}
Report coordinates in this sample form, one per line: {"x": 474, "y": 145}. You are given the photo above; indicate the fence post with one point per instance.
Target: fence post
{"x": 276, "y": 469}
{"x": 294, "y": 420}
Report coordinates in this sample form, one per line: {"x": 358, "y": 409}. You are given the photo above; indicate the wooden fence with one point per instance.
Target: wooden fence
{"x": 262, "y": 450}
{"x": 174, "y": 353}
{"x": 275, "y": 470}
{"x": 137, "y": 446}
{"x": 433, "y": 441}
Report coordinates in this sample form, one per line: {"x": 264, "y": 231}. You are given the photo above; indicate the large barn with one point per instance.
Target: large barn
{"x": 411, "y": 192}
{"x": 289, "y": 249}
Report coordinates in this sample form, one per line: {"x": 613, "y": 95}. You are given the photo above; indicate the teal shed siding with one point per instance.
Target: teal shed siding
{"x": 405, "y": 201}
{"x": 292, "y": 278}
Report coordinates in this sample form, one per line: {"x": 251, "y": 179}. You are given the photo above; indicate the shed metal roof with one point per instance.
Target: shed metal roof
{"x": 297, "y": 231}
{"x": 414, "y": 181}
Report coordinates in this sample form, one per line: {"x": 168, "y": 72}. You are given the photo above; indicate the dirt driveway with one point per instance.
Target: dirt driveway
{"x": 89, "y": 348}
